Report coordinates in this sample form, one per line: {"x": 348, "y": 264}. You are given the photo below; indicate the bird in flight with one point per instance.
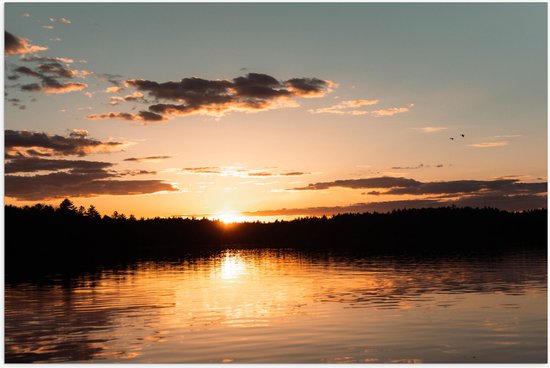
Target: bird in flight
{"x": 462, "y": 135}
{"x": 452, "y": 138}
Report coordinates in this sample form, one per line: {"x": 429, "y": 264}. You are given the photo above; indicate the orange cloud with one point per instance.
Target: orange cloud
{"x": 113, "y": 89}
{"x": 489, "y": 144}
{"x": 431, "y": 129}
{"x": 344, "y": 106}
{"x": 390, "y": 111}
{"x": 17, "y": 45}
{"x": 64, "y": 88}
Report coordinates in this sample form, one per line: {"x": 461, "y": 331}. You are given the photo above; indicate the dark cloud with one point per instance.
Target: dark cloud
{"x": 62, "y": 185}
{"x": 56, "y": 69}
{"x": 136, "y": 172}
{"x": 252, "y": 92}
{"x": 508, "y": 203}
{"x": 444, "y": 189}
{"x": 27, "y": 71}
{"x": 73, "y": 178}
{"x": 49, "y": 73}
{"x": 34, "y": 164}
{"x": 294, "y": 173}
{"x": 459, "y": 186}
{"x": 381, "y": 182}
{"x": 147, "y": 159}
{"x": 21, "y": 142}
{"x": 18, "y": 45}
{"x": 142, "y": 116}
{"x": 308, "y": 86}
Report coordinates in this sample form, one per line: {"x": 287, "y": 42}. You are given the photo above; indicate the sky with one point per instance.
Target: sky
{"x": 265, "y": 111}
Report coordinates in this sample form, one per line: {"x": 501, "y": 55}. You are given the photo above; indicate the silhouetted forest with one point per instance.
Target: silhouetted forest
{"x": 42, "y": 236}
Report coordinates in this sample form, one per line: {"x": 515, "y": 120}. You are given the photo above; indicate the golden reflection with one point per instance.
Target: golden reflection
{"x": 232, "y": 267}
{"x": 240, "y": 305}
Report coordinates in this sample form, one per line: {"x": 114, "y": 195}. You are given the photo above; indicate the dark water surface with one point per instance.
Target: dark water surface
{"x": 283, "y": 306}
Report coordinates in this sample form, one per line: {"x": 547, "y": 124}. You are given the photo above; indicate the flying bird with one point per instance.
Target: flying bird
{"x": 452, "y": 139}
{"x": 462, "y": 135}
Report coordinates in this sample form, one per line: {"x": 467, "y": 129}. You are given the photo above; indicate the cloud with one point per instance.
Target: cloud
{"x": 17, "y": 45}
{"x": 252, "y": 92}
{"x": 34, "y": 164}
{"x": 72, "y": 178}
{"x": 48, "y": 27}
{"x": 37, "y": 58}
{"x": 508, "y": 203}
{"x": 49, "y": 73}
{"x": 114, "y": 79}
{"x": 431, "y": 129}
{"x": 136, "y": 96}
{"x": 62, "y": 185}
{"x": 392, "y": 111}
{"x": 113, "y": 89}
{"x": 60, "y": 20}
{"x": 142, "y": 116}
{"x": 147, "y": 159}
{"x": 489, "y": 144}
{"x": 239, "y": 171}
{"x": 509, "y": 186}
{"x": 379, "y": 182}
{"x": 349, "y": 108}
{"x": 52, "y": 86}
{"x": 405, "y": 186}
{"x": 420, "y": 166}
{"x": 28, "y": 143}
{"x": 345, "y": 106}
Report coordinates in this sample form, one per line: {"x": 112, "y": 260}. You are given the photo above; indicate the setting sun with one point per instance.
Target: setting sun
{"x": 230, "y": 218}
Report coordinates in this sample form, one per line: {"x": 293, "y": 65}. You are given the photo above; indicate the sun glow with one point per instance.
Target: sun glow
{"x": 229, "y": 218}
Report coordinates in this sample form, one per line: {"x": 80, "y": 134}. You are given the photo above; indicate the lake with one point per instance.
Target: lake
{"x": 285, "y": 306}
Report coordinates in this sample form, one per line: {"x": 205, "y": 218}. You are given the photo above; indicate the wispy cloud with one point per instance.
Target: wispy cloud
{"x": 390, "y": 111}
{"x": 60, "y": 20}
{"x": 136, "y": 96}
{"x": 142, "y": 117}
{"x": 348, "y": 107}
{"x": 430, "y": 129}
{"x": 147, "y": 159}
{"x": 489, "y": 144}
{"x": 240, "y": 171}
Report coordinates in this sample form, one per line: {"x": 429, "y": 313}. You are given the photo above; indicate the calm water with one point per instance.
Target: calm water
{"x": 287, "y": 307}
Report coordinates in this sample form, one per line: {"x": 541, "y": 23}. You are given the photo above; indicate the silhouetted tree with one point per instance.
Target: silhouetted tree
{"x": 67, "y": 206}
{"x": 93, "y": 213}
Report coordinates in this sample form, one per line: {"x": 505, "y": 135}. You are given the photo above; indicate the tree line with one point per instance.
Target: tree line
{"x": 43, "y": 236}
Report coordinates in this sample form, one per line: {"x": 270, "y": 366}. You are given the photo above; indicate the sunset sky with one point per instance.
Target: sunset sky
{"x": 264, "y": 111}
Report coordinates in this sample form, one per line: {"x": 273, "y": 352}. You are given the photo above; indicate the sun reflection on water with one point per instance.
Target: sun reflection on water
{"x": 232, "y": 266}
